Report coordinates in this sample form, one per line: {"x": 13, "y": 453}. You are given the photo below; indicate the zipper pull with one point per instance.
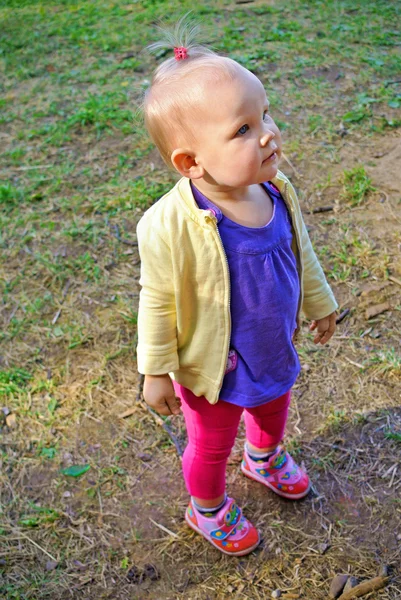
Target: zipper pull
{"x": 210, "y": 217}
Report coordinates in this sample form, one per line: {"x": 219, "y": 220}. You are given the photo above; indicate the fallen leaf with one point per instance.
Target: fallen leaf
{"x": 11, "y": 421}
{"x": 377, "y": 309}
{"x": 75, "y": 470}
{"x": 374, "y": 287}
{"x": 337, "y": 585}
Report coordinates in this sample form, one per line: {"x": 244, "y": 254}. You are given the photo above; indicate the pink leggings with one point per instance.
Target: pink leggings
{"x": 211, "y": 435}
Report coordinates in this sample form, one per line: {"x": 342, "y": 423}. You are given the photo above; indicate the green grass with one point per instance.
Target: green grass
{"x": 393, "y": 436}
{"x": 14, "y": 381}
{"x": 357, "y": 186}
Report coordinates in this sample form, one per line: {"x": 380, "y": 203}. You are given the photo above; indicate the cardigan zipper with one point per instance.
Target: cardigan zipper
{"x": 229, "y": 304}
{"x": 295, "y": 229}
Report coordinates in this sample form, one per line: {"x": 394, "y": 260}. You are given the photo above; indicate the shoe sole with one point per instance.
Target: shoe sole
{"x": 209, "y": 539}
{"x": 272, "y": 488}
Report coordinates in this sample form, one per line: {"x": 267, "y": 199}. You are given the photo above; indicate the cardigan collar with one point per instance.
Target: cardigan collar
{"x": 200, "y": 215}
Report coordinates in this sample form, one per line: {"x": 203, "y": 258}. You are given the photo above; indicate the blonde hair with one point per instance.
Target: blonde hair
{"x": 168, "y": 99}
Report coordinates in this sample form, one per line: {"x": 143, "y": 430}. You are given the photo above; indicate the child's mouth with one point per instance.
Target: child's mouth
{"x": 270, "y": 158}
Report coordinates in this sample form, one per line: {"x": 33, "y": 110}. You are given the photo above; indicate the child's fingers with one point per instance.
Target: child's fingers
{"x": 173, "y": 405}
{"x": 328, "y": 334}
{"x": 325, "y": 329}
{"x": 325, "y": 337}
{"x": 318, "y": 337}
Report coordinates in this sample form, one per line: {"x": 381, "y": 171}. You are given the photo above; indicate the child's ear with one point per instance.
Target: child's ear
{"x": 184, "y": 162}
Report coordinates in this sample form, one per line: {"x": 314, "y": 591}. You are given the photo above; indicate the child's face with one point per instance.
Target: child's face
{"x": 237, "y": 142}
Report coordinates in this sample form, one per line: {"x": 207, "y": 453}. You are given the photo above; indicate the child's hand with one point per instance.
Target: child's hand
{"x": 159, "y": 394}
{"x": 325, "y": 328}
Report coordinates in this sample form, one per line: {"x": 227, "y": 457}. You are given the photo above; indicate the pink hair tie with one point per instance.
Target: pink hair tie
{"x": 180, "y": 53}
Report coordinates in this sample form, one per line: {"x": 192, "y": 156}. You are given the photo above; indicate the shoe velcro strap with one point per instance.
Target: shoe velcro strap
{"x": 231, "y": 519}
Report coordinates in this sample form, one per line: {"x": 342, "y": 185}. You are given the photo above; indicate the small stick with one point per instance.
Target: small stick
{"x": 35, "y": 544}
{"x": 342, "y": 315}
{"x": 297, "y": 173}
{"x": 394, "y": 280}
{"x": 371, "y": 585}
{"x": 16, "y": 307}
{"x": 64, "y": 294}
{"x": 156, "y": 417}
{"x": 127, "y": 56}
{"x": 33, "y": 167}
{"x": 320, "y": 209}
{"x": 352, "y": 362}
{"x": 164, "y": 528}
{"x": 392, "y": 82}
{"x": 122, "y": 240}
{"x": 160, "y": 422}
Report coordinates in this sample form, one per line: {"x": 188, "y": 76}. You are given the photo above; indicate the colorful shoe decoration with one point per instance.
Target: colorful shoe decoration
{"x": 279, "y": 473}
{"x": 228, "y": 530}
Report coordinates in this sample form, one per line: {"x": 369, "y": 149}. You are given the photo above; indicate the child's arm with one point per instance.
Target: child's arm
{"x": 157, "y": 323}
{"x": 319, "y": 303}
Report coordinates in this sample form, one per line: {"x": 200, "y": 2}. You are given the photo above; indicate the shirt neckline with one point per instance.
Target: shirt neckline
{"x": 205, "y": 204}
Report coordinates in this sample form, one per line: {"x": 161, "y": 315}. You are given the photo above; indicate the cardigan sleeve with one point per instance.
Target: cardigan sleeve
{"x": 157, "y": 320}
{"x": 318, "y": 297}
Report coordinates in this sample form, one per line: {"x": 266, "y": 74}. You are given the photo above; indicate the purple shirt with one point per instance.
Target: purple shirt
{"x": 262, "y": 363}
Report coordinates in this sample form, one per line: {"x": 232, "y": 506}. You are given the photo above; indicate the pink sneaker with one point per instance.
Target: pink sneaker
{"x": 279, "y": 473}
{"x": 228, "y": 530}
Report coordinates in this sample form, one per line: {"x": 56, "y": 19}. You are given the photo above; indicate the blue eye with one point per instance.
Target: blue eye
{"x": 243, "y": 129}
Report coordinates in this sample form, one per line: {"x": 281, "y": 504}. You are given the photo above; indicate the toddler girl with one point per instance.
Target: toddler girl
{"x": 227, "y": 266}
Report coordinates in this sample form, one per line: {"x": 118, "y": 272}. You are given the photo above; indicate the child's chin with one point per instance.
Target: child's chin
{"x": 271, "y": 173}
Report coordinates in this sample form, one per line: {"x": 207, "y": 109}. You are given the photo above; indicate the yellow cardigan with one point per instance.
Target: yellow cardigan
{"x": 184, "y": 322}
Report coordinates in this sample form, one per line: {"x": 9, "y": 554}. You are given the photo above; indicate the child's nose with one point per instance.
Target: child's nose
{"x": 266, "y": 137}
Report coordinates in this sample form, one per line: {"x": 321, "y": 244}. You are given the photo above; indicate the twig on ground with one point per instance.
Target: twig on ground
{"x": 127, "y": 56}
{"x": 287, "y": 160}
{"x": 320, "y": 209}
{"x": 12, "y": 315}
{"x": 371, "y": 585}
{"x": 160, "y": 422}
{"x": 392, "y": 82}
{"x": 32, "y": 167}
{"x": 117, "y": 235}
{"x": 394, "y": 280}
{"x": 352, "y": 362}
{"x": 64, "y": 294}
{"x": 156, "y": 417}
{"x": 342, "y": 315}
{"x": 20, "y": 533}
{"x": 164, "y": 528}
